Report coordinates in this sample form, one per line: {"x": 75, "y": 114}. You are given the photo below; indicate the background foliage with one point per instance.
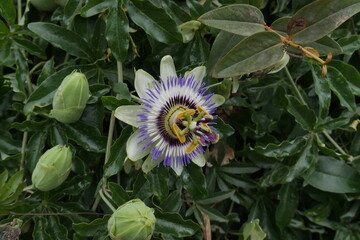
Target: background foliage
{"x": 287, "y": 164}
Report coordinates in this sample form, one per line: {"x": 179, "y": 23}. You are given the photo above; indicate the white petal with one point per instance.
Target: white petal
{"x": 198, "y": 72}
{"x": 134, "y": 149}
{"x": 199, "y": 160}
{"x": 149, "y": 164}
{"x": 143, "y": 81}
{"x": 128, "y": 114}
{"x": 178, "y": 170}
{"x": 167, "y": 68}
{"x": 217, "y": 99}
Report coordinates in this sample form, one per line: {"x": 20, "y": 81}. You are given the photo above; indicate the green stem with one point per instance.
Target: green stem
{"x": 110, "y": 133}
{"x": 106, "y": 201}
{"x": 301, "y": 99}
{"x": 294, "y": 88}
{"x": 19, "y": 11}
{"x": 214, "y": 85}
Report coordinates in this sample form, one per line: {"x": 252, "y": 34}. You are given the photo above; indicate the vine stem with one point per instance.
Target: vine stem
{"x": 110, "y": 135}
{"x": 106, "y": 201}
{"x": 298, "y": 94}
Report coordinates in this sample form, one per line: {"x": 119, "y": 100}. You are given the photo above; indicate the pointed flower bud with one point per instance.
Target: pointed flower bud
{"x": 70, "y": 98}
{"x": 52, "y": 168}
{"x": 132, "y": 221}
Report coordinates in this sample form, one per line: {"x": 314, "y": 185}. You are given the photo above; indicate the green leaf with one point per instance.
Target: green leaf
{"x": 213, "y": 213}
{"x": 117, "y": 31}
{"x": 154, "y": 21}
{"x": 194, "y": 181}
{"x": 289, "y": 199}
{"x": 223, "y": 43}
{"x": 174, "y": 224}
{"x": 321, "y": 17}
{"x": 216, "y": 197}
{"x": 30, "y": 47}
{"x": 119, "y": 195}
{"x": 341, "y": 88}
{"x": 34, "y": 148}
{"x": 21, "y": 73}
{"x": 62, "y": 38}
{"x": 322, "y": 89}
{"x": 7, "y": 144}
{"x": 8, "y": 10}
{"x": 302, "y": 113}
{"x": 117, "y": 154}
{"x": 240, "y": 19}
{"x": 3, "y": 178}
{"x": 224, "y": 129}
{"x": 158, "y": 179}
{"x": 256, "y": 52}
{"x": 172, "y": 203}
{"x": 111, "y": 103}
{"x": 92, "y": 228}
{"x": 93, "y": 7}
{"x": 55, "y": 229}
{"x": 239, "y": 168}
{"x": 86, "y": 136}
{"x": 47, "y": 70}
{"x": 71, "y": 9}
{"x": 332, "y": 175}
{"x": 175, "y": 11}
{"x": 123, "y": 91}
{"x": 10, "y": 187}
{"x": 39, "y": 232}
{"x": 196, "y": 8}
{"x": 253, "y": 230}
{"x": 284, "y": 149}
{"x": 350, "y": 44}
{"x": 350, "y": 73}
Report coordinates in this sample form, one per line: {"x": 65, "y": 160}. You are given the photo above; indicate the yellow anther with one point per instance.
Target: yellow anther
{"x": 192, "y": 146}
{"x": 183, "y": 113}
{"x": 177, "y": 131}
{"x": 201, "y": 109}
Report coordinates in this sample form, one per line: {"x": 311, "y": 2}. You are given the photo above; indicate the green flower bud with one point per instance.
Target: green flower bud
{"x": 70, "y": 98}
{"x": 132, "y": 221}
{"x": 52, "y": 168}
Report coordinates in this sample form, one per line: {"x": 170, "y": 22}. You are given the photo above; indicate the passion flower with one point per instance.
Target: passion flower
{"x": 174, "y": 119}
{"x": 52, "y": 169}
{"x": 132, "y": 221}
{"x": 70, "y": 98}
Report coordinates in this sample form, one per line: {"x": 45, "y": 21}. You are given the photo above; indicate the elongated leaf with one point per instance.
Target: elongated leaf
{"x": 158, "y": 179}
{"x": 213, "y": 213}
{"x": 240, "y": 19}
{"x": 194, "y": 181}
{"x": 289, "y": 199}
{"x": 216, "y": 197}
{"x": 117, "y": 31}
{"x": 8, "y": 10}
{"x": 154, "y": 21}
{"x": 174, "y": 224}
{"x": 117, "y": 154}
{"x": 224, "y": 41}
{"x": 341, "y": 88}
{"x": 322, "y": 89}
{"x": 11, "y": 185}
{"x": 332, "y": 175}
{"x": 239, "y": 168}
{"x": 3, "y": 178}
{"x": 92, "y": 228}
{"x": 321, "y": 17}
{"x": 172, "y": 203}
{"x": 30, "y": 47}
{"x": 62, "y": 38}
{"x": 86, "y": 136}
{"x": 350, "y": 44}
{"x": 302, "y": 113}
{"x": 93, "y": 7}
{"x": 252, "y": 54}
{"x": 284, "y": 149}
{"x": 119, "y": 195}
{"x": 7, "y": 144}
{"x": 175, "y": 11}
{"x": 350, "y": 73}
{"x": 35, "y": 148}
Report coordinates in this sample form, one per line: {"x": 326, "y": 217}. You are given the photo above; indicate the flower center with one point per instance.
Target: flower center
{"x": 192, "y": 121}
{"x": 170, "y": 118}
